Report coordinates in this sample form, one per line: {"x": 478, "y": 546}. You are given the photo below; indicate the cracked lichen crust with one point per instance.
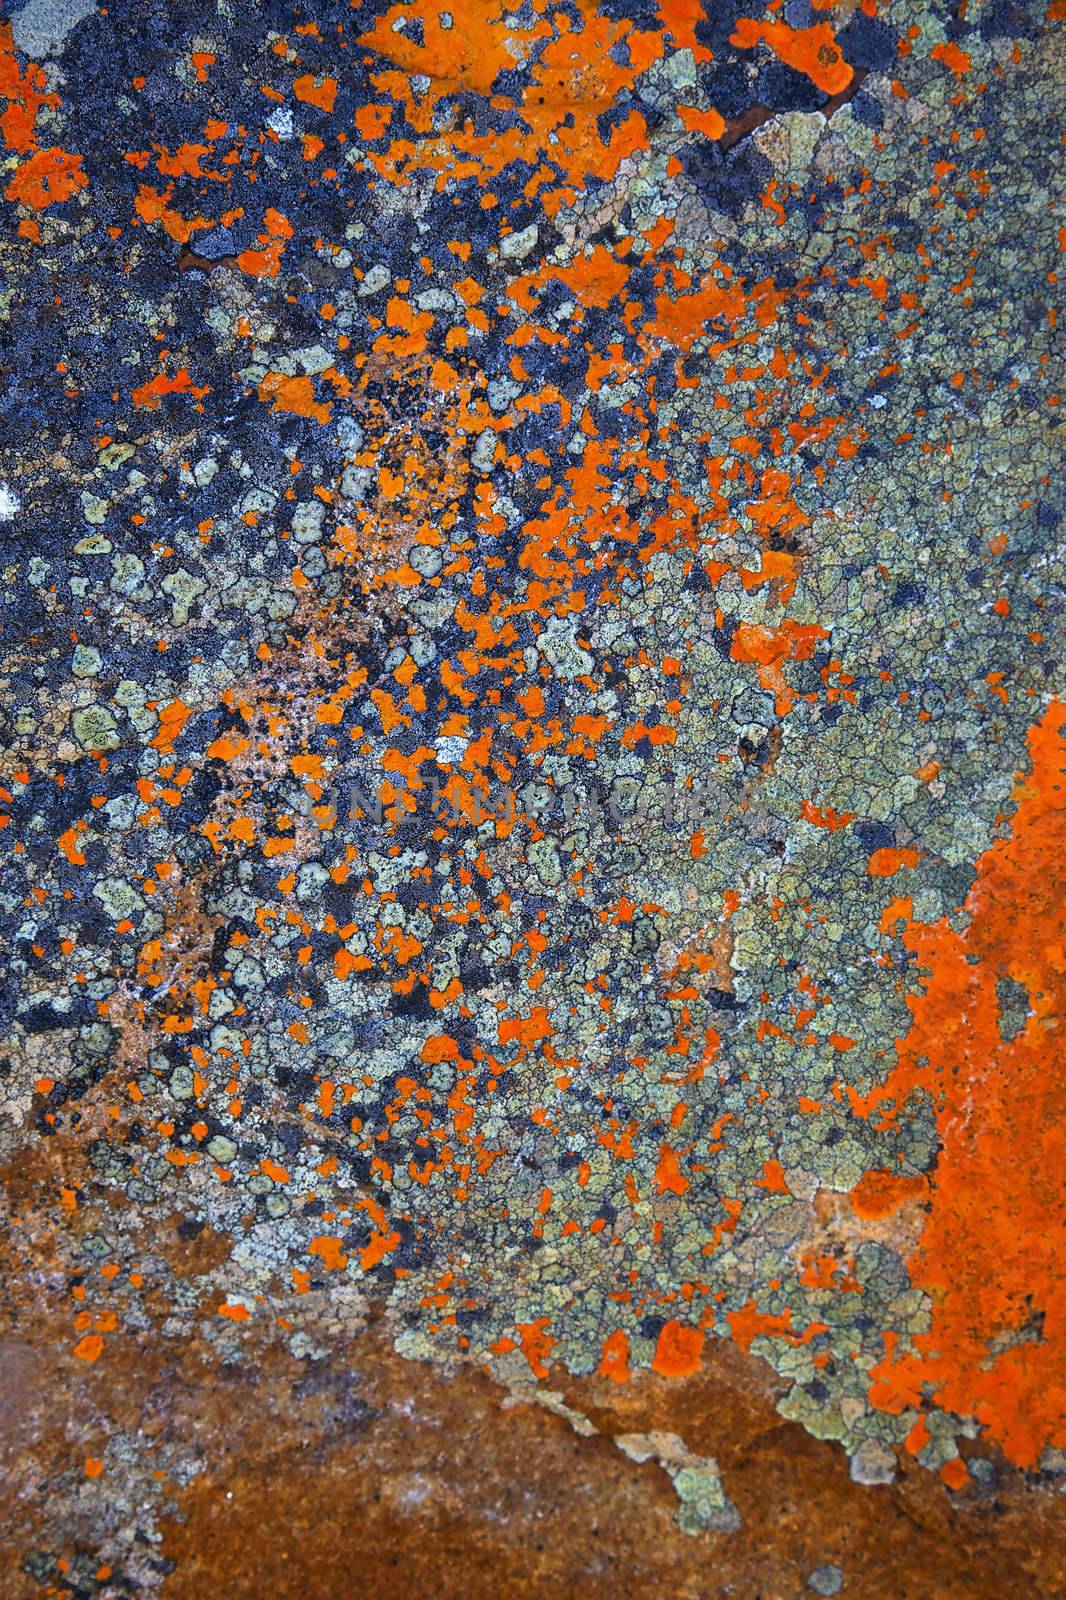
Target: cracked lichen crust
{"x": 532, "y": 626}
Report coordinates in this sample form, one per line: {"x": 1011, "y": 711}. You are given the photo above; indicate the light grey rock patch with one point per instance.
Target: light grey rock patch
{"x": 41, "y": 28}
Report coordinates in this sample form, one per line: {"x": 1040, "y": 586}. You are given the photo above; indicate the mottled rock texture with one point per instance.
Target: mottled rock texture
{"x": 534, "y": 799}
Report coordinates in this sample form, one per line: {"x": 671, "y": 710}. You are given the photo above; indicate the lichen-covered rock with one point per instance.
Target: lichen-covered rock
{"x": 534, "y": 727}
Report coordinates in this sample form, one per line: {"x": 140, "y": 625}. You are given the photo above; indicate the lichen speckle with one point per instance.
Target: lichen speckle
{"x": 533, "y": 794}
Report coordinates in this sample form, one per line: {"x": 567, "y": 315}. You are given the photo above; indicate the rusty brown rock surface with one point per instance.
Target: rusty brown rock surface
{"x": 372, "y": 1474}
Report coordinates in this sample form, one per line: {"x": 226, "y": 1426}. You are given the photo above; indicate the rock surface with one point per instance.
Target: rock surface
{"x": 534, "y": 821}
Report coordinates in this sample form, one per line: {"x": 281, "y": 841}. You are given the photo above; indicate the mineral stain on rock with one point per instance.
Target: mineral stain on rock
{"x": 533, "y": 785}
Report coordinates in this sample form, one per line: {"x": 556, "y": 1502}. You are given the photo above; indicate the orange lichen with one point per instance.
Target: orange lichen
{"x": 172, "y": 717}
{"x": 323, "y": 94}
{"x": 295, "y": 394}
{"x": 46, "y": 178}
{"x": 679, "y": 1350}
{"x": 991, "y": 1251}
{"x": 536, "y": 1342}
{"x": 25, "y": 93}
{"x": 614, "y": 1362}
{"x": 329, "y": 1251}
{"x": 812, "y": 51}
{"x": 879, "y": 1194}
{"x": 749, "y": 1323}
{"x": 151, "y": 394}
{"x": 951, "y": 56}
{"x": 575, "y": 78}
{"x": 886, "y": 861}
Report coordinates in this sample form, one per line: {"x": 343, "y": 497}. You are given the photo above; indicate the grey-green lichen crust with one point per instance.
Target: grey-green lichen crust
{"x": 685, "y": 638}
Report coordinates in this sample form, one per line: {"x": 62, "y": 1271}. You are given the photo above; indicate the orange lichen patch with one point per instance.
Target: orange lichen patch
{"x": 777, "y": 568}
{"x": 383, "y": 1239}
{"x": 323, "y": 94}
{"x": 614, "y": 1362}
{"x": 266, "y": 263}
{"x": 25, "y": 93}
{"x": 773, "y": 1178}
{"x": 536, "y": 1344}
{"x": 769, "y": 648}
{"x": 679, "y": 1350}
{"x": 575, "y": 78}
{"x": 826, "y": 817}
{"x": 812, "y": 51}
{"x": 526, "y": 1031}
{"x": 150, "y": 395}
{"x": 90, "y": 1348}
{"x": 952, "y": 57}
{"x": 372, "y": 121}
{"x": 151, "y": 206}
{"x": 709, "y": 123}
{"x": 68, "y": 843}
{"x": 750, "y": 1323}
{"x": 669, "y": 1179}
{"x": 992, "y": 1248}
{"x": 471, "y": 54}
{"x": 172, "y": 718}
{"x": 879, "y": 1194}
{"x": 887, "y": 861}
{"x": 329, "y": 1251}
{"x": 184, "y": 161}
{"x": 776, "y": 510}
{"x": 682, "y": 319}
{"x": 295, "y": 394}
{"x": 46, "y": 178}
